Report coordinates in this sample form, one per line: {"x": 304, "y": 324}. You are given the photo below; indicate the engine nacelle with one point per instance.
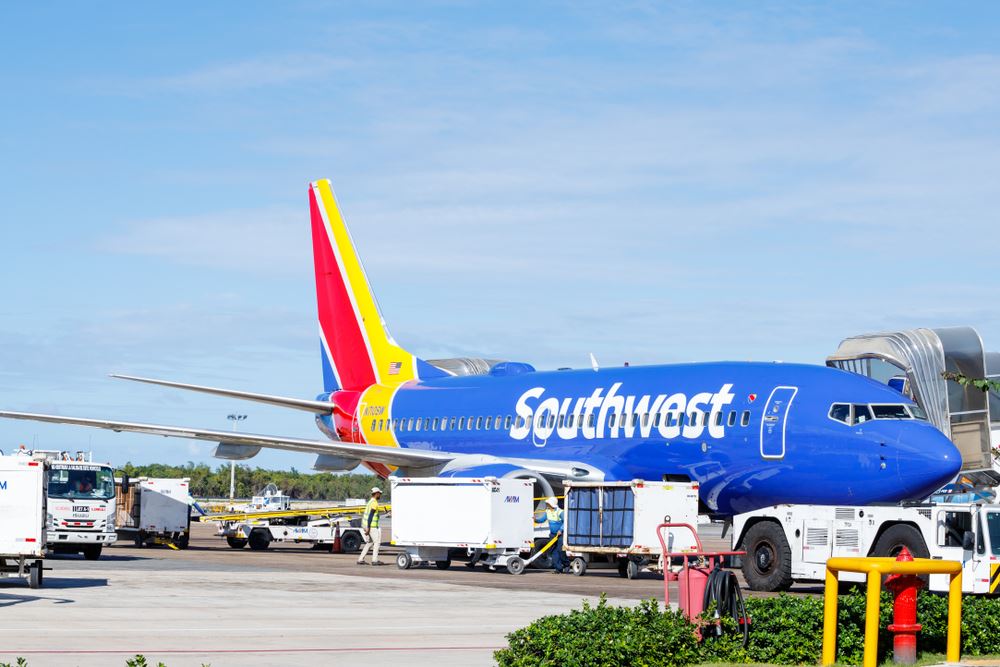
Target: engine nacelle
{"x": 233, "y": 452}
{"x": 334, "y": 463}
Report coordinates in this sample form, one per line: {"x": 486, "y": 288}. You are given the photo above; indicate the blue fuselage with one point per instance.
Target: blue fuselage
{"x": 752, "y": 434}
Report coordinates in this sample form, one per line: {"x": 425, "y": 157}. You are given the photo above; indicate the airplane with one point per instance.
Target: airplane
{"x": 751, "y": 434}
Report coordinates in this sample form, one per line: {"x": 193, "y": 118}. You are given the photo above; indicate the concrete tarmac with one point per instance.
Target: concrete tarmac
{"x": 288, "y": 605}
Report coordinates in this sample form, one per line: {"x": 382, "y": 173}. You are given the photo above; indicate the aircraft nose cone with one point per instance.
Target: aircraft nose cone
{"x": 927, "y": 460}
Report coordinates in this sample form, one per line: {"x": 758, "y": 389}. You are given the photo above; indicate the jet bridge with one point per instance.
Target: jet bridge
{"x": 913, "y": 361}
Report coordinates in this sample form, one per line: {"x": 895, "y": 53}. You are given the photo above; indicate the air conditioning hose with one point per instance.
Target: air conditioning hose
{"x": 723, "y": 589}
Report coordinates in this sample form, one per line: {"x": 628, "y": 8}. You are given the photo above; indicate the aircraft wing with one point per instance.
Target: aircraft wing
{"x": 394, "y": 456}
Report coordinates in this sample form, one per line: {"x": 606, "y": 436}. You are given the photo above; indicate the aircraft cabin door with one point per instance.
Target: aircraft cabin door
{"x": 772, "y": 424}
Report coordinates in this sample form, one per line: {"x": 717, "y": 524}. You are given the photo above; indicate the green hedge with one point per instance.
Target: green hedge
{"x": 786, "y": 630}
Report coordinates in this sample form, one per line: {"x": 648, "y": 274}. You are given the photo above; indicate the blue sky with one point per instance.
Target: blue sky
{"x": 652, "y": 182}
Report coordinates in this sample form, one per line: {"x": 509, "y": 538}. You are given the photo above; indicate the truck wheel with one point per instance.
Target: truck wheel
{"x": 183, "y": 541}
{"x": 350, "y": 543}
{"x": 515, "y": 565}
{"x": 631, "y": 569}
{"x": 35, "y": 575}
{"x": 404, "y": 561}
{"x": 259, "y": 540}
{"x": 92, "y": 552}
{"x": 442, "y": 564}
{"x": 578, "y": 566}
{"x": 892, "y": 541}
{"x": 768, "y": 563}
{"x": 235, "y": 542}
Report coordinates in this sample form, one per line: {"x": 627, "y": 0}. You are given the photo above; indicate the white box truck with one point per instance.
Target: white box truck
{"x": 487, "y": 518}
{"x": 81, "y": 503}
{"x": 154, "y": 510}
{"x": 22, "y": 518}
{"x": 789, "y": 543}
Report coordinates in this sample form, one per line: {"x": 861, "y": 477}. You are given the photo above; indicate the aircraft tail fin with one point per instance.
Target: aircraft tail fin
{"x": 357, "y": 349}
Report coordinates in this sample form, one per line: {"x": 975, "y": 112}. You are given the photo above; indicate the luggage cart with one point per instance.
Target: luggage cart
{"x": 616, "y": 522}
{"x": 487, "y": 519}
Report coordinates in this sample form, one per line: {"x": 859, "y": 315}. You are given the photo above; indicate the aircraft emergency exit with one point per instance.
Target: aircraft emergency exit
{"x": 751, "y": 434}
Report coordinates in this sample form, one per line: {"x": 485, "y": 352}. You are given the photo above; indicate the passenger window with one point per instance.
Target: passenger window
{"x": 745, "y": 419}
{"x": 496, "y": 423}
{"x": 645, "y": 419}
{"x": 451, "y": 424}
{"x": 718, "y": 418}
{"x": 489, "y": 422}
{"x": 562, "y": 420}
{"x": 593, "y": 420}
{"x": 418, "y": 424}
{"x": 861, "y": 414}
{"x": 479, "y": 423}
{"x": 506, "y": 422}
{"x": 841, "y": 412}
{"x": 434, "y": 424}
{"x": 656, "y": 420}
{"x": 461, "y": 423}
{"x": 732, "y": 418}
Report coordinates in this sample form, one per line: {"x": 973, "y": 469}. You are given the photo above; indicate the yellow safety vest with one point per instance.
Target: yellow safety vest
{"x": 371, "y": 514}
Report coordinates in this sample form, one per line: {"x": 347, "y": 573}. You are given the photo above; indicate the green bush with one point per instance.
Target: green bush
{"x": 601, "y": 636}
{"x": 785, "y": 630}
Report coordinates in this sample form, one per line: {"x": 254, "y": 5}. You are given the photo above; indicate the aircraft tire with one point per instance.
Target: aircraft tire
{"x": 896, "y": 537}
{"x": 768, "y": 563}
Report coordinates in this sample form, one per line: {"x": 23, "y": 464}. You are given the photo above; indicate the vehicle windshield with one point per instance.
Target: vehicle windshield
{"x": 890, "y": 412}
{"x": 993, "y": 527}
{"x": 85, "y": 482}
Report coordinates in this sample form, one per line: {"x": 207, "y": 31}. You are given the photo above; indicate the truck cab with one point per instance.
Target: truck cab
{"x": 81, "y": 505}
{"x": 791, "y": 543}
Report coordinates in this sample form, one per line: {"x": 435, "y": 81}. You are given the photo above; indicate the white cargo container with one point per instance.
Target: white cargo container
{"x": 22, "y": 518}
{"x": 154, "y": 510}
{"x": 486, "y": 517}
{"x": 617, "y": 522}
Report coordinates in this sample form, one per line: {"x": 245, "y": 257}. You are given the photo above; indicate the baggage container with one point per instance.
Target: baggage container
{"x": 22, "y": 517}
{"x": 617, "y": 521}
{"x": 154, "y": 510}
{"x": 489, "y": 519}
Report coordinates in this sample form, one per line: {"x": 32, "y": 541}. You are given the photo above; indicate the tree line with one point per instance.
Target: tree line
{"x": 209, "y": 483}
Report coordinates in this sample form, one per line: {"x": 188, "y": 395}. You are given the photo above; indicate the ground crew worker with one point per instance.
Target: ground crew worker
{"x": 554, "y": 516}
{"x": 369, "y": 528}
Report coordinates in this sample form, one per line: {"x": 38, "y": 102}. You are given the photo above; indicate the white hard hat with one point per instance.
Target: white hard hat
{"x": 375, "y": 490}
{"x": 552, "y": 502}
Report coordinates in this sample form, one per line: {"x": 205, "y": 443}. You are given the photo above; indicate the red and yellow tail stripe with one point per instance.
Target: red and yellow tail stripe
{"x": 358, "y": 346}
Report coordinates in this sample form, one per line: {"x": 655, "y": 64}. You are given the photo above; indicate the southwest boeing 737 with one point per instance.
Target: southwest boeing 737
{"x": 751, "y": 434}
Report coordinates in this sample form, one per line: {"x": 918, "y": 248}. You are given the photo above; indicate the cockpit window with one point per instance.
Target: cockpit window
{"x": 890, "y": 412}
{"x": 917, "y": 412}
{"x": 861, "y": 414}
{"x": 841, "y": 412}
